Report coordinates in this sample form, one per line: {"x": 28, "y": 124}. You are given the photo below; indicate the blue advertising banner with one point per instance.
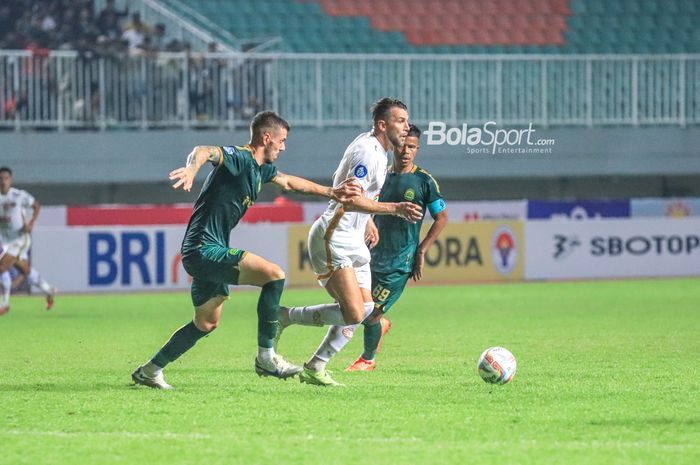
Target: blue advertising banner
{"x": 671, "y": 208}
{"x": 578, "y": 210}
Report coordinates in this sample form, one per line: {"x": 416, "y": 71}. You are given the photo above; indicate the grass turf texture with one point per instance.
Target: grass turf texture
{"x": 608, "y": 372}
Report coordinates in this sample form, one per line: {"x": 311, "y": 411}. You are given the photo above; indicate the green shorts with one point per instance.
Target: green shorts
{"x": 213, "y": 268}
{"x": 387, "y": 288}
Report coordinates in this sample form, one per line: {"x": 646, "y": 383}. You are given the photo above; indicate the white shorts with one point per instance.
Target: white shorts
{"x": 329, "y": 254}
{"x": 17, "y": 248}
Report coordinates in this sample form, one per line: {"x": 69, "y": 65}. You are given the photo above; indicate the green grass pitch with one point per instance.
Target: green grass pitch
{"x": 608, "y": 373}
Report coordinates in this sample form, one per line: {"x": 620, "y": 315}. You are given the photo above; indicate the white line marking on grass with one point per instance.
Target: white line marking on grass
{"x": 527, "y": 443}
{"x": 187, "y": 436}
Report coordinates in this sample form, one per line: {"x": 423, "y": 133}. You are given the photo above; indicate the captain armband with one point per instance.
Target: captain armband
{"x": 437, "y": 206}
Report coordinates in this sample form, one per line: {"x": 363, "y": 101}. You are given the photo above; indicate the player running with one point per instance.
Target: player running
{"x": 15, "y": 240}
{"x": 398, "y": 254}
{"x": 339, "y": 256}
{"x": 230, "y": 188}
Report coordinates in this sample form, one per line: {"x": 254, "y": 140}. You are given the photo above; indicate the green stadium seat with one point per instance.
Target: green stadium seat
{"x": 506, "y": 26}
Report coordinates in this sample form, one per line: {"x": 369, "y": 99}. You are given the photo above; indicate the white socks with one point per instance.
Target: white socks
{"x": 313, "y": 315}
{"x": 265, "y": 354}
{"x": 151, "y": 370}
{"x": 5, "y": 288}
{"x": 336, "y": 338}
{"x": 35, "y": 279}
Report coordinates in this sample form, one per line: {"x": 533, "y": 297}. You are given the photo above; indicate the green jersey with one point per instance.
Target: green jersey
{"x": 399, "y": 239}
{"x": 231, "y": 187}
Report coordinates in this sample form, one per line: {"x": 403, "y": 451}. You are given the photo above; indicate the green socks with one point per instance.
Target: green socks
{"x": 268, "y": 312}
{"x": 180, "y": 342}
{"x": 186, "y": 337}
{"x": 373, "y": 333}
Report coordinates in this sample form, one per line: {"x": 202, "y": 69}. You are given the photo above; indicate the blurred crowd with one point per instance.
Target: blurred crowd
{"x": 42, "y": 25}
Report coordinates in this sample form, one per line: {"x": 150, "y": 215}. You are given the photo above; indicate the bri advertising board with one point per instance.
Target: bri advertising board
{"x": 108, "y": 259}
{"x": 611, "y": 248}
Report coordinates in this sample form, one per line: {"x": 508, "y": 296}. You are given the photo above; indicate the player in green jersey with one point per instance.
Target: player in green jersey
{"x": 230, "y": 188}
{"x": 398, "y": 253}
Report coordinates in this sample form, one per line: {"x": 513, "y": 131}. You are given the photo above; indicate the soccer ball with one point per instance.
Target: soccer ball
{"x": 497, "y": 365}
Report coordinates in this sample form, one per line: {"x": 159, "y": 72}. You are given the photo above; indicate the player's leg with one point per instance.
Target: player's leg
{"x": 212, "y": 269}
{"x": 206, "y": 319}
{"x": 386, "y": 291}
{"x": 334, "y": 270}
{"x": 32, "y": 275}
{"x": 256, "y": 271}
{"x": 7, "y": 261}
{"x": 351, "y": 292}
{"x": 5, "y": 288}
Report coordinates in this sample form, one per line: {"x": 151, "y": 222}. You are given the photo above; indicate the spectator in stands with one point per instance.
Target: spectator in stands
{"x": 158, "y": 42}
{"x": 135, "y": 33}
{"x": 109, "y": 28}
{"x": 8, "y": 18}
{"x": 109, "y": 16}
{"x": 86, "y": 25}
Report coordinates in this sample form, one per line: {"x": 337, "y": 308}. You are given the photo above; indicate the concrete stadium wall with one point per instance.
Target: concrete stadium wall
{"x": 132, "y": 166}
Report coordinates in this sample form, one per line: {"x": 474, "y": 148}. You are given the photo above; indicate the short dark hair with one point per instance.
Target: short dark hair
{"x": 382, "y": 107}
{"x": 6, "y": 170}
{"x": 413, "y": 131}
{"x": 266, "y": 121}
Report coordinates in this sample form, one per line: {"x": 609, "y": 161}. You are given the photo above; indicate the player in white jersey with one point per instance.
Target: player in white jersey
{"x": 15, "y": 239}
{"x": 339, "y": 256}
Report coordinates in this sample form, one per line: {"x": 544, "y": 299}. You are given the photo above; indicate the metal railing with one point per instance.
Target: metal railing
{"x": 67, "y": 90}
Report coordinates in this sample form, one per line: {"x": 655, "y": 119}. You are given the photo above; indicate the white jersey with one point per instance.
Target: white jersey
{"x": 365, "y": 160}
{"x": 12, "y": 213}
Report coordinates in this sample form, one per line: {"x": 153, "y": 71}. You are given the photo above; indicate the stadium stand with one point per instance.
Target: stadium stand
{"x": 40, "y": 26}
{"x": 464, "y": 26}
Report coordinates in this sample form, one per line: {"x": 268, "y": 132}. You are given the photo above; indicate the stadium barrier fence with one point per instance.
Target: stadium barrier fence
{"x": 64, "y": 89}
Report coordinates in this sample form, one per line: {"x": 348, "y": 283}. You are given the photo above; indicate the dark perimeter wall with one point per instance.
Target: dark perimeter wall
{"x": 132, "y": 166}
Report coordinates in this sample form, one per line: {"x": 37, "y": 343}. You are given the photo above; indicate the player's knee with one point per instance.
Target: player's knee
{"x": 275, "y": 273}
{"x": 206, "y": 325}
{"x": 358, "y": 313}
{"x": 368, "y": 308}
{"x": 373, "y": 318}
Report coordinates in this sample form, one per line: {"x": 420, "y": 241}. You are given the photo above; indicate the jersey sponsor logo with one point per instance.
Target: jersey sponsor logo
{"x": 228, "y": 149}
{"x": 360, "y": 171}
{"x": 410, "y": 194}
{"x": 504, "y": 250}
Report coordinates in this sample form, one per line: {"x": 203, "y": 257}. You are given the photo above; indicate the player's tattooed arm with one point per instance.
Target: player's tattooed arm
{"x": 341, "y": 193}
{"x": 212, "y": 152}
{"x": 184, "y": 176}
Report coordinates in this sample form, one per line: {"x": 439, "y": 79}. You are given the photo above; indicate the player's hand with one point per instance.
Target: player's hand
{"x": 410, "y": 212}
{"x": 418, "y": 262}
{"x": 184, "y": 178}
{"x": 371, "y": 234}
{"x": 348, "y": 189}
